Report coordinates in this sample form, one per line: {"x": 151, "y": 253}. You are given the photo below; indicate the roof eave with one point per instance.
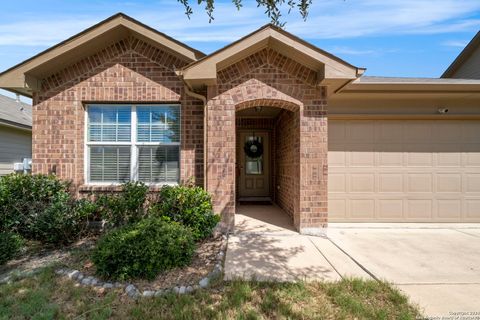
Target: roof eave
{"x": 464, "y": 54}
{"x": 19, "y": 79}
{"x": 329, "y": 67}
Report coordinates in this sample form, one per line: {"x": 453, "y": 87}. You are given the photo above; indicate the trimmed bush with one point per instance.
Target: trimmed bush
{"x": 125, "y": 207}
{"x": 10, "y": 245}
{"x": 143, "y": 250}
{"x": 39, "y": 207}
{"x": 190, "y": 206}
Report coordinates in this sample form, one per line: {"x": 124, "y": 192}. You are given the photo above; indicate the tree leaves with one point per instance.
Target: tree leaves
{"x": 273, "y": 8}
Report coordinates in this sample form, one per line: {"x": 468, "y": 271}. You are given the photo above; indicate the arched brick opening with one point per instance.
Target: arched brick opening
{"x": 269, "y": 102}
{"x": 279, "y": 180}
{"x": 304, "y": 110}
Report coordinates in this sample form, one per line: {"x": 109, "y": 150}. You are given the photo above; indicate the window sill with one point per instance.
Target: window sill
{"x": 85, "y": 188}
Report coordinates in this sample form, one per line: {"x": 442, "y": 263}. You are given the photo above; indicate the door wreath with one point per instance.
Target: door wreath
{"x": 253, "y": 148}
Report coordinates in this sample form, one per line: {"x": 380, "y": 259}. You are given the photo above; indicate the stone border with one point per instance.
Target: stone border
{"x": 133, "y": 291}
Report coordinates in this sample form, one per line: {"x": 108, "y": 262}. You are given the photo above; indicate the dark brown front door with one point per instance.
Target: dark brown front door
{"x": 254, "y": 170}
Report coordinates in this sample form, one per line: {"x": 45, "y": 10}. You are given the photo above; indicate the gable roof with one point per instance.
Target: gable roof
{"x": 463, "y": 56}
{"x": 204, "y": 70}
{"x": 24, "y": 77}
{"x": 15, "y": 113}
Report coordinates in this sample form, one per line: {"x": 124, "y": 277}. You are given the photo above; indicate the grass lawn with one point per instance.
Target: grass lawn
{"x": 44, "y": 296}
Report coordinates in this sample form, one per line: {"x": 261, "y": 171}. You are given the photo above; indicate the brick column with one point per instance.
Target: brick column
{"x": 221, "y": 154}
{"x": 313, "y": 163}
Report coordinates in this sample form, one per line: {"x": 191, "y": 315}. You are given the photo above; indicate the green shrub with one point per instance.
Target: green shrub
{"x": 125, "y": 207}
{"x": 10, "y": 245}
{"x": 190, "y": 206}
{"x": 39, "y": 207}
{"x": 143, "y": 249}
{"x": 22, "y": 197}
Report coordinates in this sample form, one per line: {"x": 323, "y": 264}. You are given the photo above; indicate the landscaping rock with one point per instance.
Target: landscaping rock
{"x": 132, "y": 292}
{"x": 5, "y": 279}
{"x": 80, "y": 276}
{"x": 182, "y": 290}
{"x": 108, "y": 285}
{"x": 73, "y": 274}
{"x": 148, "y": 293}
{"x": 93, "y": 282}
{"x": 189, "y": 289}
{"x": 59, "y": 271}
{"x": 220, "y": 255}
{"x": 118, "y": 285}
{"x": 176, "y": 290}
{"x": 86, "y": 281}
{"x": 159, "y": 293}
{"x": 204, "y": 282}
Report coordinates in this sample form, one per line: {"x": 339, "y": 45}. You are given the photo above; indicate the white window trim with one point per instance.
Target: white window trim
{"x": 133, "y": 146}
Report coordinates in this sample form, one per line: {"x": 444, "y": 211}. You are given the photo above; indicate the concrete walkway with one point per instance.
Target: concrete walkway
{"x": 437, "y": 265}
{"x": 265, "y": 246}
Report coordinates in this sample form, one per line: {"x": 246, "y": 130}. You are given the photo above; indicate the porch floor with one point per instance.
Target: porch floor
{"x": 266, "y": 247}
{"x": 263, "y": 219}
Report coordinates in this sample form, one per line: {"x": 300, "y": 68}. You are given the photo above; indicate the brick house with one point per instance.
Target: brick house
{"x": 260, "y": 119}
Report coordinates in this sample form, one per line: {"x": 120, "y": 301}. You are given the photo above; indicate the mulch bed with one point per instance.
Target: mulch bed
{"x": 202, "y": 263}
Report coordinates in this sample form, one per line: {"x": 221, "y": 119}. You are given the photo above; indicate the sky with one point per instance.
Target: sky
{"x": 398, "y": 38}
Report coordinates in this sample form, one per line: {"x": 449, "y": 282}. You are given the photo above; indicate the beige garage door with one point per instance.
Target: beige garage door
{"x": 404, "y": 171}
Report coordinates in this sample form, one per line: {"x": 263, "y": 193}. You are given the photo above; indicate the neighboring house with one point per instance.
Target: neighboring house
{"x": 15, "y": 133}
{"x": 467, "y": 64}
{"x": 268, "y": 117}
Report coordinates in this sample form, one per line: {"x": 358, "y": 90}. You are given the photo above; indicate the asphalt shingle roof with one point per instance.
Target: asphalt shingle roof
{"x": 14, "y": 112}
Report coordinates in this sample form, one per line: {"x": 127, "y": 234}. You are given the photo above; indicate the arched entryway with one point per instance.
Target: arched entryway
{"x": 267, "y": 171}
{"x": 300, "y": 169}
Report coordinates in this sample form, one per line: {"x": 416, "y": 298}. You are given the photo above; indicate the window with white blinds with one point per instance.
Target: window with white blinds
{"x": 133, "y": 142}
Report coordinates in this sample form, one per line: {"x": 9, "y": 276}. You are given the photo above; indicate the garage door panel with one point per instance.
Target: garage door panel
{"x": 470, "y": 131}
{"x": 418, "y": 171}
{"x": 417, "y": 132}
{"x": 390, "y": 183}
{"x": 362, "y": 182}
{"x": 360, "y": 131}
{"x": 449, "y": 209}
{"x": 337, "y": 183}
{"x": 472, "y": 209}
{"x": 362, "y": 209}
{"x": 419, "y": 209}
{"x": 337, "y": 208}
{"x": 417, "y": 156}
{"x": 472, "y": 182}
{"x": 419, "y": 182}
{"x": 361, "y": 155}
{"x": 448, "y": 155}
{"x": 472, "y": 155}
{"x": 389, "y": 155}
{"x": 449, "y": 183}
{"x": 447, "y": 131}
{"x": 389, "y": 132}
{"x": 337, "y": 158}
{"x": 390, "y": 209}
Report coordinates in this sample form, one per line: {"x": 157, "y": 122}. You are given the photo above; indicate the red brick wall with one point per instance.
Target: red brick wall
{"x": 287, "y": 168}
{"x": 129, "y": 71}
{"x": 268, "y": 78}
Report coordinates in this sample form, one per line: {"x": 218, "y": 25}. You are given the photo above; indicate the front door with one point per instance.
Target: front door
{"x": 253, "y": 164}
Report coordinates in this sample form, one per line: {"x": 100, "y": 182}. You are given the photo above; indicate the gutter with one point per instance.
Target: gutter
{"x": 189, "y": 91}
{"x": 15, "y": 125}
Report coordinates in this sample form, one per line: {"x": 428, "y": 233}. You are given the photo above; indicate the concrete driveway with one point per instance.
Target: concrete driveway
{"x": 438, "y": 266}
